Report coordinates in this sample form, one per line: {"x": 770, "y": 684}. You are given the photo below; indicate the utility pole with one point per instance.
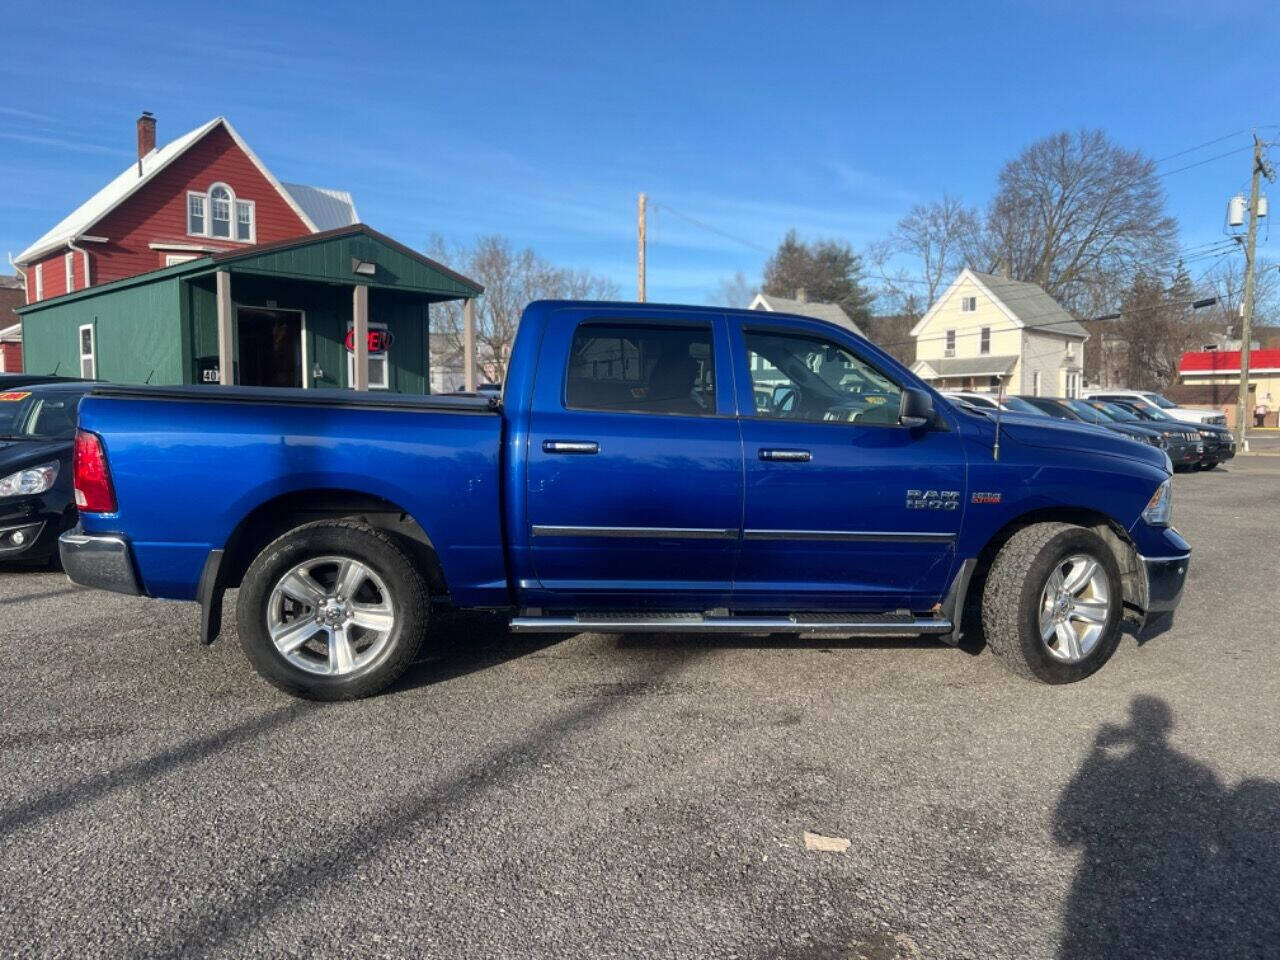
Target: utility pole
{"x": 1243, "y": 413}
{"x": 640, "y": 245}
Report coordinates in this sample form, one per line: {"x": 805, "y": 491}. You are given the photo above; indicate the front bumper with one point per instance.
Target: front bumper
{"x": 1182, "y": 454}
{"x": 101, "y": 561}
{"x": 20, "y": 541}
{"x": 1163, "y": 580}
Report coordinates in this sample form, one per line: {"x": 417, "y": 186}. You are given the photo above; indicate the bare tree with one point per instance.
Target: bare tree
{"x": 1226, "y": 280}
{"x": 926, "y": 249}
{"x": 737, "y": 292}
{"x": 1076, "y": 214}
{"x": 512, "y": 279}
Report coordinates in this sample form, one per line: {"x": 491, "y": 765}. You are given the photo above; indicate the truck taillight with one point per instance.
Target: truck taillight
{"x": 92, "y": 476}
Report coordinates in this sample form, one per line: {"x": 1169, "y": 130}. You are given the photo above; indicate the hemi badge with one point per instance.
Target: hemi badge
{"x": 986, "y": 497}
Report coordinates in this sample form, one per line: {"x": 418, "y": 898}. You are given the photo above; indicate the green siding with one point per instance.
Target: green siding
{"x": 138, "y": 331}
{"x": 331, "y": 260}
{"x": 164, "y": 325}
{"x": 327, "y": 312}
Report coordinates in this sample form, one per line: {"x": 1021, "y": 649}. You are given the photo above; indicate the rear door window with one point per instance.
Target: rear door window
{"x": 641, "y": 369}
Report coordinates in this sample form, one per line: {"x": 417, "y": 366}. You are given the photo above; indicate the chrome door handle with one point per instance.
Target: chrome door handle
{"x": 570, "y": 446}
{"x": 788, "y": 456}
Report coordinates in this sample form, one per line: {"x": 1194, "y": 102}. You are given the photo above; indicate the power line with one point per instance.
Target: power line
{"x": 709, "y": 228}
{"x": 1207, "y": 143}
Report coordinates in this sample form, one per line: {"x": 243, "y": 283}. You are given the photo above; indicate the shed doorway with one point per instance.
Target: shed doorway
{"x": 271, "y": 347}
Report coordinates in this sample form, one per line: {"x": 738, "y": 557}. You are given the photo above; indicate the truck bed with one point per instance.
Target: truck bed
{"x": 191, "y": 463}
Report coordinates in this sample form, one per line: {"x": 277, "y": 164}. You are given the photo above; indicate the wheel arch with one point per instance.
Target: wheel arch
{"x": 1112, "y": 532}
{"x": 278, "y": 515}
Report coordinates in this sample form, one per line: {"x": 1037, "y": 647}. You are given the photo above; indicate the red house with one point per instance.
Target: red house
{"x": 11, "y": 297}
{"x": 203, "y": 193}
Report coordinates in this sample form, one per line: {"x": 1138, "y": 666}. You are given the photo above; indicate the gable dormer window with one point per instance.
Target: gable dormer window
{"x": 220, "y": 215}
{"x": 220, "y": 200}
{"x": 968, "y": 304}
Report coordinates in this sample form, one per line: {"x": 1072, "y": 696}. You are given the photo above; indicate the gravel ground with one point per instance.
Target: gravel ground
{"x": 648, "y": 797}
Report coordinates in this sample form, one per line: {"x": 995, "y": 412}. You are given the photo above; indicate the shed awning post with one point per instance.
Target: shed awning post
{"x": 469, "y": 344}
{"x": 360, "y": 336}
{"x": 226, "y": 369}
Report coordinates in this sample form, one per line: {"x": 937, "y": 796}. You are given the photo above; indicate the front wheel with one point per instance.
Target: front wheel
{"x": 333, "y": 610}
{"x": 1052, "y": 603}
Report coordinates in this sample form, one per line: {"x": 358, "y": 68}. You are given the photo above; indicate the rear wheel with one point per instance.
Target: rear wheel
{"x": 333, "y": 610}
{"x": 1052, "y": 603}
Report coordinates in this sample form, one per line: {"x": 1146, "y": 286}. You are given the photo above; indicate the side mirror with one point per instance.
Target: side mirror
{"x": 915, "y": 408}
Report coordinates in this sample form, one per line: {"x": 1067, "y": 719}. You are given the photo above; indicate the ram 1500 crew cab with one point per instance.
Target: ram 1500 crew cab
{"x": 647, "y": 468}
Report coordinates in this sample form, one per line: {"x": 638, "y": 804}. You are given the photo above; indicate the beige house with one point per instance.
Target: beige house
{"x": 986, "y": 332}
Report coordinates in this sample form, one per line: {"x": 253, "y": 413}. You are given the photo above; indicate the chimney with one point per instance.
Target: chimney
{"x": 146, "y": 134}
{"x": 802, "y": 295}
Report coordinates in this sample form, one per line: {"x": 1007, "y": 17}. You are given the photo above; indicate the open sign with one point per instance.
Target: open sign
{"x": 379, "y": 341}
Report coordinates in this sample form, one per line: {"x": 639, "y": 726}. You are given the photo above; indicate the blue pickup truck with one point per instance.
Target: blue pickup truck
{"x": 647, "y": 468}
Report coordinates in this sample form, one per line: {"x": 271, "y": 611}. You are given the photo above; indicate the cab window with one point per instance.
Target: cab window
{"x": 798, "y": 377}
{"x": 641, "y": 369}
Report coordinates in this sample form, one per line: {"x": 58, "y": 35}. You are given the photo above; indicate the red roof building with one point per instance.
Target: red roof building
{"x": 1200, "y": 364}
{"x": 205, "y": 192}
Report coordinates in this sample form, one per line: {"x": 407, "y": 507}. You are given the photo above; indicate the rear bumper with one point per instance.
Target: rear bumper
{"x": 1164, "y": 578}
{"x": 101, "y": 561}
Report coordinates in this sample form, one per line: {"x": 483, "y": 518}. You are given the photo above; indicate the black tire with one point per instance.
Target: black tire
{"x": 1011, "y": 601}
{"x": 343, "y": 538}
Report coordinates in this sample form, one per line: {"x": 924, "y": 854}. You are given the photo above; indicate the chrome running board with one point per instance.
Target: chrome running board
{"x": 863, "y": 625}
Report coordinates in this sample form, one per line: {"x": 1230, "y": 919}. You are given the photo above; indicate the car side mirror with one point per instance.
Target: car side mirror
{"x": 915, "y": 408}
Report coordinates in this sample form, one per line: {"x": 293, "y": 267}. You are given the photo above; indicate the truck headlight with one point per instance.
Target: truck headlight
{"x": 1159, "y": 512}
{"x": 30, "y": 481}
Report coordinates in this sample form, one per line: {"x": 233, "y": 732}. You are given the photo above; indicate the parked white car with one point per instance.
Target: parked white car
{"x": 1149, "y": 398}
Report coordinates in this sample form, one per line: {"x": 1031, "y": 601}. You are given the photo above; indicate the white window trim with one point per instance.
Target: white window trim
{"x": 40, "y": 280}
{"x": 965, "y": 304}
{"x": 1035, "y": 383}
{"x": 206, "y": 197}
{"x": 385, "y": 357}
{"x": 949, "y": 343}
{"x": 173, "y": 259}
{"x": 204, "y": 201}
{"x": 69, "y": 270}
{"x": 984, "y": 334}
{"x": 92, "y": 355}
{"x": 253, "y": 220}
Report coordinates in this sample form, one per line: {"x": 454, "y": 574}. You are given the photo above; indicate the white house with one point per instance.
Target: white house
{"x": 987, "y": 332}
{"x": 803, "y": 306}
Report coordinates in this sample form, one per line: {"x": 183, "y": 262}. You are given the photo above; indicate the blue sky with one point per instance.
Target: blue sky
{"x": 543, "y": 121}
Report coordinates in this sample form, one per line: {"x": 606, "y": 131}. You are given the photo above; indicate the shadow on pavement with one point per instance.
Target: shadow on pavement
{"x": 22, "y": 597}
{"x": 63, "y": 799}
{"x": 290, "y": 882}
{"x": 1173, "y": 863}
{"x": 463, "y": 642}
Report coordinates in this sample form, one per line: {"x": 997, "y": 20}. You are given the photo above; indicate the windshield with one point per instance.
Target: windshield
{"x": 1087, "y": 411}
{"x": 1164, "y": 403}
{"x": 1018, "y": 405}
{"x": 1115, "y": 411}
{"x": 26, "y": 415}
{"x": 1146, "y": 411}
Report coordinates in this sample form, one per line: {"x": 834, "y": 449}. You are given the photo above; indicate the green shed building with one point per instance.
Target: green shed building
{"x": 344, "y": 308}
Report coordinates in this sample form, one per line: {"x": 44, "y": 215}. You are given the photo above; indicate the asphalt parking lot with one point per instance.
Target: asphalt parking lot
{"x": 649, "y": 796}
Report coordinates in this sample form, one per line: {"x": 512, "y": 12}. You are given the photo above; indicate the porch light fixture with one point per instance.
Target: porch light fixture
{"x": 366, "y": 268}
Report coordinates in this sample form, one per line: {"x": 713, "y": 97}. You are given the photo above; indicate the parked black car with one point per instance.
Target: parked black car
{"x": 1219, "y": 442}
{"x": 37, "y": 432}
{"x": 1181, "y": 442}
{"x": 11, "y": 381}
